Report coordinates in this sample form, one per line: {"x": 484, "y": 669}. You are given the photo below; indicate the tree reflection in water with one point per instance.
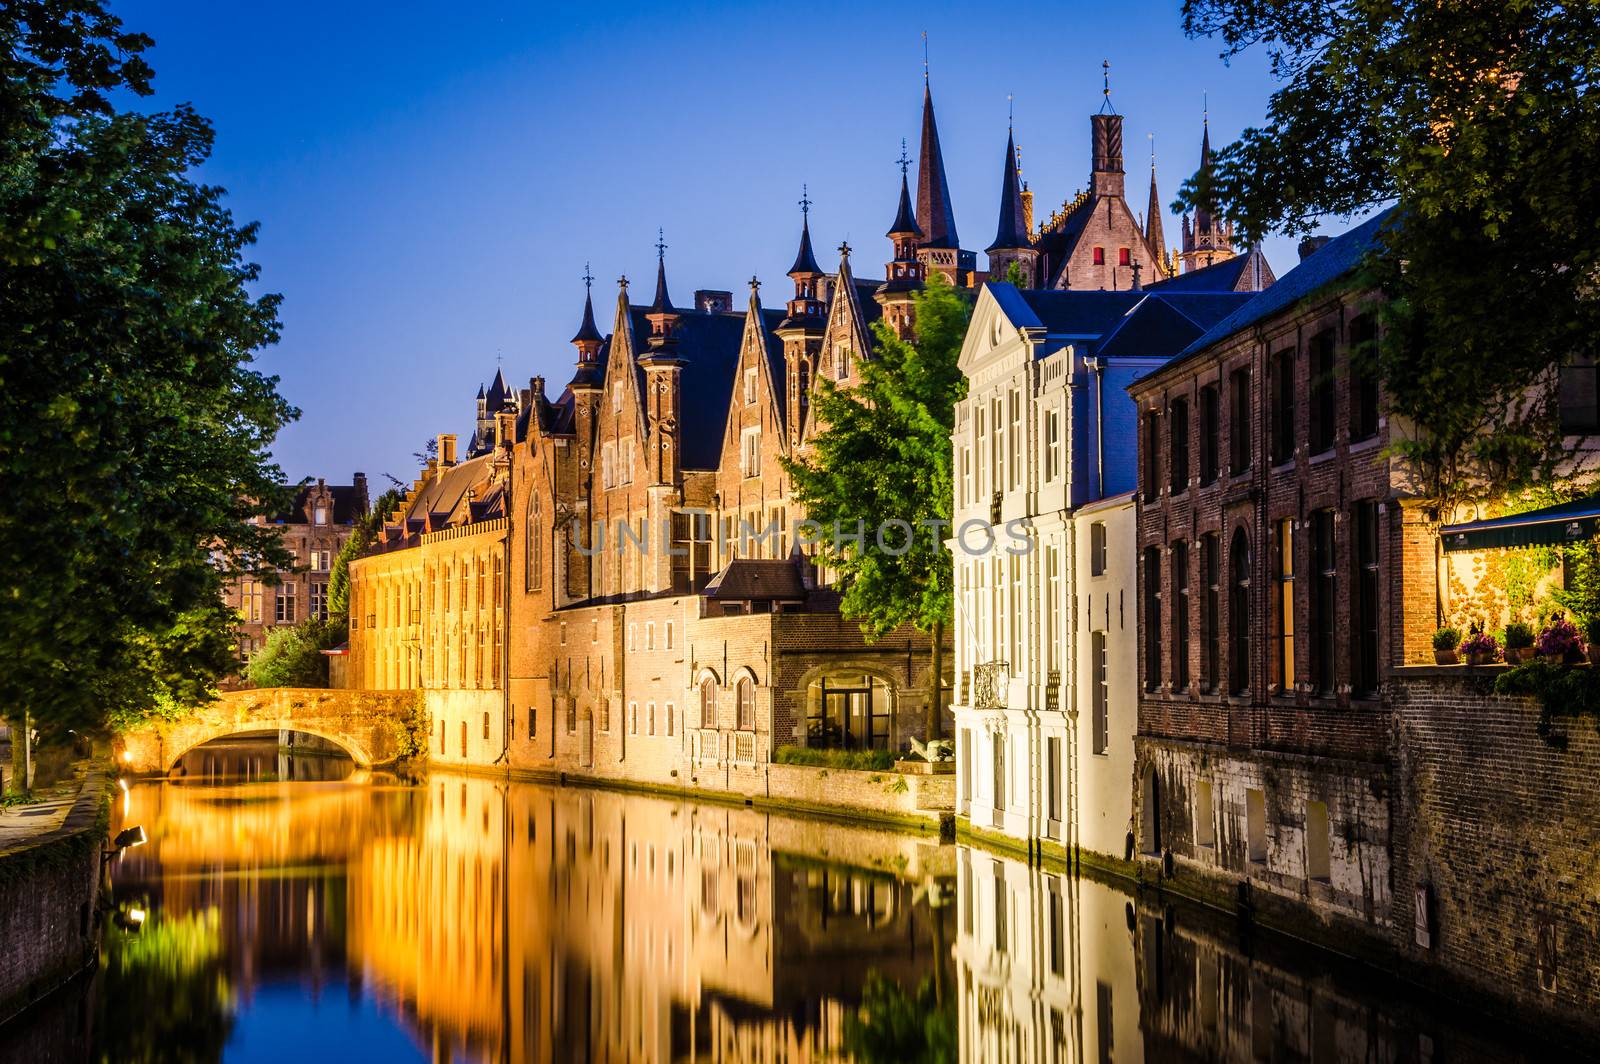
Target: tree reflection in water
{"x": 164, "y": 991}
{"x": 896, "y": 1027}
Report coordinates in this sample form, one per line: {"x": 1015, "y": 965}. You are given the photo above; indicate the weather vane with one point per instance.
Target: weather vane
{"x": 661, "y": 243}
{"x": 1011, "y": 110}
{"x": 755, "y": 283}
{"x": 1105, "y": 90}
{"x": 805, "y": 199}
{"x": 588, "y": 278}
{"x": 904, "y": 160}
{"x": 924, "y": 56}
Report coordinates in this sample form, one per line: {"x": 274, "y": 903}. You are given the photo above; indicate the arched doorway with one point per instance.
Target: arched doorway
{"x": 1150, "y": 812}
{"x": 850, "y": 709}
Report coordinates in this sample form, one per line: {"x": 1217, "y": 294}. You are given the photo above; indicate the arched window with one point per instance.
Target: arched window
{"x": 708, "y": 703}
{"x": 747, "y": 704}
{"x": 1239, "y": 614}
{"x": 535, "y": 567}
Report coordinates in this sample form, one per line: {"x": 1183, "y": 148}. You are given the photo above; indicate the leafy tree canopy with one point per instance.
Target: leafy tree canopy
{"x": 1482, "y": 122}
{"x": 882, "y": 461}
{"x": 133, "y": 428}
{"x": 293, "y": 655}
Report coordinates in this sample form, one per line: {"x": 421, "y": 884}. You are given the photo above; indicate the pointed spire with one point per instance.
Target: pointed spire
{"x": 1153, "y": 234}
{"x": 480, "y": 391}
{"x": 1011, "y": 232}
{"x": 933, "y": 191}
{"x": 663, "y": 302}
{"x": 588, "y": 333}
{"x": 905, "y": 218}
{"x": 1203, "y": 211}
{"x": 804, "y": 261}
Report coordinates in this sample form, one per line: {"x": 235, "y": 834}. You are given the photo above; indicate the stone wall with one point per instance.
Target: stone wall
{"x": 49, "y": 929}
{"x": 1501, "y": 829}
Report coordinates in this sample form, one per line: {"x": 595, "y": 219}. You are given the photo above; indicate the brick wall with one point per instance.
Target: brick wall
{"x": 1504, "y": 829}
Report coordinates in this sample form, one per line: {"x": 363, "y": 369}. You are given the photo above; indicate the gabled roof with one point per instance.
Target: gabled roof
{"x": 1116, "y": 324}
{"x": 1334, "y": 260}
{"x": 1249, "y": 272}
{"x": 1161, "y": 326}
{"x": 349, "y": 503}
{"x": 442, "y": 498}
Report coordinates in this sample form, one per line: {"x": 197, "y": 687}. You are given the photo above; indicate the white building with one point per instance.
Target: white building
{"x": 1043, "y": 539}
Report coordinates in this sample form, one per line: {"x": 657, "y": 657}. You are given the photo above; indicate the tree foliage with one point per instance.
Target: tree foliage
{"x": 133, "y": 428}
{"x": 362, "y": 536}
{"x": 881, "y": 468}
{"x": 1481, "y": 121}
{"x": 293, "y": 655}
{"x": 894, "y": 1026}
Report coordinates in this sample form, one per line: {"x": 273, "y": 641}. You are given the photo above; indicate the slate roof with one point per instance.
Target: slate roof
{"x": 1131, "y": 324}
{"x": 441, "y": 497}
{"x": 905, "y": 219}
{"x": 1229, "y": 275}
{"x": 757, "y": 580}
{"x": 349, "y": 503}
{"x": 804, "y": 260}
{"x": 1318, "y": 270}
{"x": 1010, "y": 232}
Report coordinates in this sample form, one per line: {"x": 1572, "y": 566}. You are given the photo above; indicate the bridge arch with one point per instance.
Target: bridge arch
{"x": 369, "y": 725}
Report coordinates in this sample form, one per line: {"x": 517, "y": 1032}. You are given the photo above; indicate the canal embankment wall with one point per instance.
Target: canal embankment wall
{"x": 49, "y": 892}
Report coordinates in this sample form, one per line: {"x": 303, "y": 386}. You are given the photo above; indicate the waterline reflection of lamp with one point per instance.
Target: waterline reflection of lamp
{"x": 125, "y": 839}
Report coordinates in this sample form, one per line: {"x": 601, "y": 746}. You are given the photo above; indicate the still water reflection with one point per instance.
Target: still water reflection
{"x": 357, "y": 918}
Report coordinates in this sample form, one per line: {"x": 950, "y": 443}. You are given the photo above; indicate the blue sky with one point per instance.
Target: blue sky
{"x": 431, "y": 178}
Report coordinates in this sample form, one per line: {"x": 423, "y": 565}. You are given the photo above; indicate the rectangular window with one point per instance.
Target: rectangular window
{"x": 633, "y": 637}
{"x": 1014, "y": 446}
{"x": 998, "y": 742}
{"x": 671, "y": 721}
{"x": 1150, "y": 444}
{"x": 1211, "y": 610}
{"x": 1283, "y": 613}
{"x": 1180, "y": 616}
{"x": 616, "y": 396}
{"x": 996, "y": 451}
{"x": 1052, "y": 769}
{"x": 1323, "y": 602}
{"x": 1210, "y": 435}
{"x": 1099, "y": 256}
{"x": 608, "y": 461}
{"x": 1152, "y": 618}
{"x": 1239, "y": 421}
{"x": 750, "y": 386}
{"x": 1058, "y": 936}
{"x": 650, "y": 635}
{"x": 625, "y": 460}
{"x": 1205, "y": 814}
{"x": 1178, "y": 445}
{"x": 1255, "y": 815}
{"x": 1323, "y": 392}
{"x": 1364, "y": 648}
{"x": 668, "y": 634}
{"x": 1124, "y": 257}
{"x": 650, "y": 717}
{"x": 1052, "y": 445}
{"x": 1363, "y": 379}
{"x": 283, "y": 611}
{"x": 981, "y": 432}
{"x": 486, "y": 725}
{"x": 1283, "y": 406}
{"x": 1317, "y": 841}
{"x": 1101, "y": 700}
{"x": 633, "y": 718}
{"x": 1097, "y": 549}
{"x": 319, "y": 601}
{"x": 750, "y": 451}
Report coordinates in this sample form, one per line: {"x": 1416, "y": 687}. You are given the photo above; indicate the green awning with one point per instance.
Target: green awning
{"x": 1551, "y": 526}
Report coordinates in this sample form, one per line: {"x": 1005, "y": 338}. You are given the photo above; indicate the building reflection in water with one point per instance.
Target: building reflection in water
{"x": 486, "y": 920}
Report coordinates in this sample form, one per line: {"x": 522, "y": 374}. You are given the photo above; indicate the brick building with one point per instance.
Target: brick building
{"x": 314, "y": 527}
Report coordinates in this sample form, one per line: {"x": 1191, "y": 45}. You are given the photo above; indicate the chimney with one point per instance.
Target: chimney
{"x": 1311, "y": 245}
{"x": 358, "y": 482}
{"x": 505, "y": 428}
{"x": 447, "y": 450}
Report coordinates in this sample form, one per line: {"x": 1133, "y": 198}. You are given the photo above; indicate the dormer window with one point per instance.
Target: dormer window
{"x": 320, "y": 516}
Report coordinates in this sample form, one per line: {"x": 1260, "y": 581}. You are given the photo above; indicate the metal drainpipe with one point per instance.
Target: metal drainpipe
{"x": 505, "y": 607}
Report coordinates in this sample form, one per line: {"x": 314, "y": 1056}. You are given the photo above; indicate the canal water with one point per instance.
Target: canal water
{"x": 291, "y": 908}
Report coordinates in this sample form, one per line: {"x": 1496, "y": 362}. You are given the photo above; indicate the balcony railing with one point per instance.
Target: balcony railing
{"x": 989, "y": 681}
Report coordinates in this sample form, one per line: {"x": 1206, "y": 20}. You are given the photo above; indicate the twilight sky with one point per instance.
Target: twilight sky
{"x": 431, "y": 178}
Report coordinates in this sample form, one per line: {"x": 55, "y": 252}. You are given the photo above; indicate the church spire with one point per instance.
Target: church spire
{"x": 905, "y": 218}
{"x": 661, "y": 315}
{"x": 1011, "y": 232}
{"x": 1203, "y": 210}
{"x": 663, "y": 303}
{"x": 588, "y": 339}
{"x": 804, "y": 261}
{"x": 933, "y": 191}
{"x": 1153, "y": 234}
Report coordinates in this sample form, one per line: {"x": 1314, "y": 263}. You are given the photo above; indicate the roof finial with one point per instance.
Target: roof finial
{"x": 1152, "y": 137}
{"x": 661, "y": 244}
{"x": 755, "y": 284}
{"x": 1011, "y": 111}
{"x": 844, "y": 250}
{"x": 1105, "y": 74}
{"x": 904, "y": 160}
{"x": 1205, "y": 108}
{"x": 805, "y": 200}
{"x": 924, "y": 57}
{"x": 622, "y": 282}
{"x": 588, "y": 279}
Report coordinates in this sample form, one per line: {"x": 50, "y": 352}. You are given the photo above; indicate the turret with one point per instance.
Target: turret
{"x": 903, "y": 274}
{"x": 802, "y": 327}
{"x": 588, "y": 341}
{"x": 1011, "y": 240}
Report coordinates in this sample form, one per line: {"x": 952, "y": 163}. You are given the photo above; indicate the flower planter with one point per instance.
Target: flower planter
{"x": 1594, "y": 654}
{"x": 1483, "y": 657}
{"x": 1518, "y": 655}
{"x": 1446, "y": 657}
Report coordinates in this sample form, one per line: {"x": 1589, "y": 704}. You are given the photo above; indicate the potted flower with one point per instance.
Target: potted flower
{"x": 1560, "y": 641}
{"x": 1445, "y": 641}
{"x": 1481, "y": 648}
{"x": 1519, "y": 643}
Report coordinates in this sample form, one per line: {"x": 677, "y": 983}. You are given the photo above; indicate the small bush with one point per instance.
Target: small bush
{"x": 1447, "y": 639}
{"x": 1518, "y": 635}
{"x": 293, "y": 656}
{"x": 865, "y": 760}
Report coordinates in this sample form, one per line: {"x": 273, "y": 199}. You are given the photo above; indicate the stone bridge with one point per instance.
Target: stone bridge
{"x": 369, "y": 725}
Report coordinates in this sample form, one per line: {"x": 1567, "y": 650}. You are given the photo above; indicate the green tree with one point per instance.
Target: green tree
{"x": 1481, "y": 121}
{"x": 293, "y": 655}
{"x": 893, "y": 1026}
{"x": 133, "y": 428}
{"x": 884, "y": 455}
{"x": 362, "y": 536}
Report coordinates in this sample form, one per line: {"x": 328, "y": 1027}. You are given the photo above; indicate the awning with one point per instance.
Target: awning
{"x": 1550, "y": 526}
